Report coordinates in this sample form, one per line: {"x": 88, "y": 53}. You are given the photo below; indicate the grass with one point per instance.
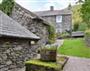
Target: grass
{"x": 75, "y": 47}
{"x": 42, "y": 63}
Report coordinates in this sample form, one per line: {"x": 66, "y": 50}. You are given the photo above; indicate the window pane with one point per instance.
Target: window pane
{"x": 58, "y": 19}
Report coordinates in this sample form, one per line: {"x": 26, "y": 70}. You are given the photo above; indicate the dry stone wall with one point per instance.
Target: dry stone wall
{"x": 13, "y": 56}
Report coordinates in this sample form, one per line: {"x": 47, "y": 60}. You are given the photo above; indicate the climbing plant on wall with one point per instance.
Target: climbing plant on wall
{"x": 6, "y": 6}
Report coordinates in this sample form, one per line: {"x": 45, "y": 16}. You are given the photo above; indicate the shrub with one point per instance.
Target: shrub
{"x": 52, "y": 34}
{"x": 65, "y": 34}
{"x": 82, "y": 27}
{"x": 76, "y": 26}
{"x": 47, "y": 47}
{"x": 87, "y": 33}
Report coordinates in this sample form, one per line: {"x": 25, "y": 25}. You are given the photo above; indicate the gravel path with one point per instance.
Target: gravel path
{"x": 77, "y": 64}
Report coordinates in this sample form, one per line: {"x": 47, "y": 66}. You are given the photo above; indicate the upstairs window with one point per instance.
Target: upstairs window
{"x": 58, "y": 19}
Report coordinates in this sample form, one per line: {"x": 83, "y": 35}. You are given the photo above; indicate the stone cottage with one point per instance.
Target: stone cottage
{"x": 61, "y": 19}
{"x": 32, "y": 22}
{"x": 15, "y": 44}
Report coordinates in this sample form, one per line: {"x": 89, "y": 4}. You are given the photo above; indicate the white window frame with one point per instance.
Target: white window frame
{"x": 58, "y": 19}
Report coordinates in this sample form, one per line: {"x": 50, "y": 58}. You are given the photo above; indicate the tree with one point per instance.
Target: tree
{"x": 85, "y": 10}
{"x": 6, "y": 6}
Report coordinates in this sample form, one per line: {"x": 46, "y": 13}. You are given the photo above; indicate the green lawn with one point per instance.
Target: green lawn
{"x": 75, "y": 47}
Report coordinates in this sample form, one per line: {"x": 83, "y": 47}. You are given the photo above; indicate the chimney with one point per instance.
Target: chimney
{"x": 51, "y": 8}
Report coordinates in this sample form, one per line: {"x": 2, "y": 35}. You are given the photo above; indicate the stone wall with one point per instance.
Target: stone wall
{"x": 25, "y": 18}
{"x": 40, "y": 30}
{"x": 13, "y": 56}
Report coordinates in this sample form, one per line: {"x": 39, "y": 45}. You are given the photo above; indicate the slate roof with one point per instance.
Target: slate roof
{"x": 9, "y": 27}
{"x": 31, "y": 14}
{"x": 77, "y": 33}
{"x": 54, "y": 12}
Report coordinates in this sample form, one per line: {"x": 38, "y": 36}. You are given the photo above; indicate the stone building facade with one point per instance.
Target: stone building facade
{"x": 32, "y": 22}
{"x": 15, "y": 44}
{"x": 61, "y": 19}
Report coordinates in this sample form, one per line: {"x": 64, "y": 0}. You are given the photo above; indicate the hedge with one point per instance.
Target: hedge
{"x": 87, "y": 33}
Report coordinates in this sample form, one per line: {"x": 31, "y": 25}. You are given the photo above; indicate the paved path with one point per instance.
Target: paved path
{"x": 59, "y": 42}
{"x": 77, "y": 64}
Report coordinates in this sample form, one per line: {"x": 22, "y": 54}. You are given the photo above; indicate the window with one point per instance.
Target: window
{"x": 58, "y": 19}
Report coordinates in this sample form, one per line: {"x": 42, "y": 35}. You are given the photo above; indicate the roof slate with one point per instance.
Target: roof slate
{"x": 54, "y": 12}
{"x": 9, "y": 27}
{"x": 31, "y": 14}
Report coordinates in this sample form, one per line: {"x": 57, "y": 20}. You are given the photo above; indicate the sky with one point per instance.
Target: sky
{"x": 40, "y": 5}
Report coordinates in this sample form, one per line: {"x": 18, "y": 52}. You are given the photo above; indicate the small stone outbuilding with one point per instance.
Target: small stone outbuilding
{"x": 15, "y": 44}
{"x": 32, "y": 22}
